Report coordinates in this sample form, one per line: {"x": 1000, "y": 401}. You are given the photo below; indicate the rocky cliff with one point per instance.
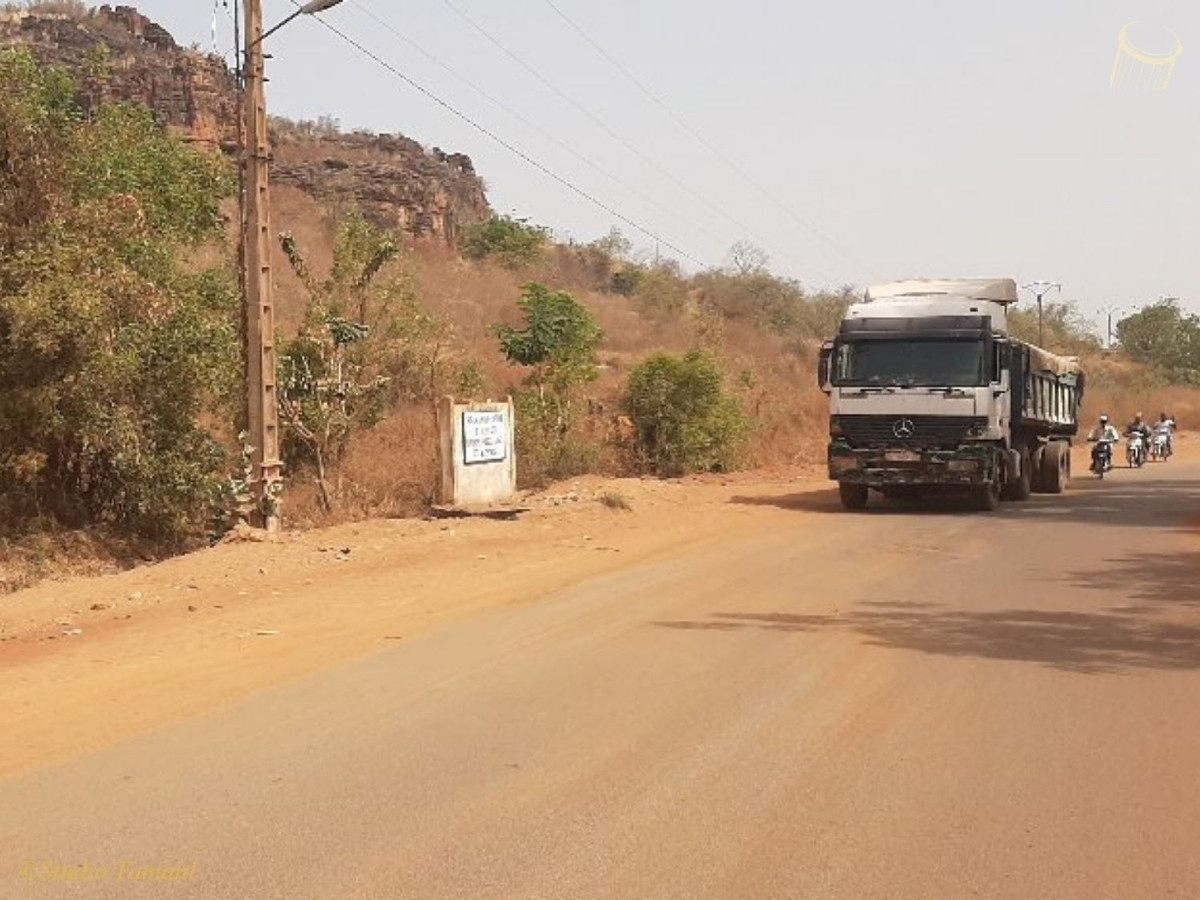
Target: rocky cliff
{"x": 396, "y": 181}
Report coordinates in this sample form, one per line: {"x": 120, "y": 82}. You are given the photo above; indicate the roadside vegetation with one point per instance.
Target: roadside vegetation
{"x": 120, "y": 346}
{"x": 116, "y": 345}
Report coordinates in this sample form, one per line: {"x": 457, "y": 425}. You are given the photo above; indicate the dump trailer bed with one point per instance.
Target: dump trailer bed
{"x": 1047, "y": 390}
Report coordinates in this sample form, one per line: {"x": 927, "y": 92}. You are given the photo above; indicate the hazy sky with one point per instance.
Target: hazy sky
{"x": 883, "y": 139}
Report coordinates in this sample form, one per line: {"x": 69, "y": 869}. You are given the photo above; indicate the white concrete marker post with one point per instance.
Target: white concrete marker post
{"x": 478, "y": 453}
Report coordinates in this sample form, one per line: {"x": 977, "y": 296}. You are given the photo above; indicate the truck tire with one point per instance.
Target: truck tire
{"x": 853, "y": 496}
{"x": 1021, "y": 487}
{"x": 1036, "y": 461}
{"x": 986, "y": 497}
{"x": 1055, "y": 467}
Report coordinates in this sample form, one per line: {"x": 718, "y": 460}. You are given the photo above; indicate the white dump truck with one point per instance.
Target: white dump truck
{"x": 929, "y": 393}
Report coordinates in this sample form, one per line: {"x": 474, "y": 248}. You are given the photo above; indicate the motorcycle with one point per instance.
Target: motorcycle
{"x": 1101, "y": 458}
{"x": 1135, "y": 450}
{"x": 1160, "y": 447}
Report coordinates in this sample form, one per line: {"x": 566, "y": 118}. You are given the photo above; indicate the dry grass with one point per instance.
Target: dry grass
{"x": 392, "y": 471}
{"x": 615, "y": 500}
{"x": 73, "y": 8}
{"x": 1121, "y": 389}
{"x": 58, "y": 553}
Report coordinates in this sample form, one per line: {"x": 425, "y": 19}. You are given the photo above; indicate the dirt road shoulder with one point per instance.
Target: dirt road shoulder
{"x": 87, "y": 661}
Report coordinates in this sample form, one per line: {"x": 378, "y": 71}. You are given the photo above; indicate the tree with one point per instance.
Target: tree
{"x": 1162, "y": 336}
{"x": 514, "y": 242}
{"x": 684, "y": 419}
{"x": 365, "y": 344}
{"x": 756, "y": 295}
{"x": 615, "y": 246}
{"x": 110, "y": 350}
{"x": 1064, "y": 329}
{"x": 557, "y": 341}
{"x": 746, "y": 258}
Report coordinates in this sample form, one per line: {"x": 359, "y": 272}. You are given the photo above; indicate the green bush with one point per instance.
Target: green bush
{"x": 557, "y": 341}
{"x": 514, "y": 242}
{"x": 1166, "y": 339}
{"x": 626, "y": 281}
{"x": 684, "y": 419}
{"x": 111, "y": 353}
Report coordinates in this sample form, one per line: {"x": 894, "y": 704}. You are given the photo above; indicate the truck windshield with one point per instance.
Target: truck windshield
{"x": 918, "y": 363}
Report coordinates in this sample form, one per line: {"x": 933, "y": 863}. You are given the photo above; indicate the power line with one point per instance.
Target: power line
{"x": 606, "y": 128}
{"x": 516, "y": 151}
{"x": 700, "y": 138}
{"x": 417, "y": 48}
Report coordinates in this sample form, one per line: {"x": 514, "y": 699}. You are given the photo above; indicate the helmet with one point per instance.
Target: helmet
{"x": 1104, "y": 419}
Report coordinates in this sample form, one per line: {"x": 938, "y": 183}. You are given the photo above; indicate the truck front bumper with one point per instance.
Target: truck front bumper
{"x": 969, "y": 464}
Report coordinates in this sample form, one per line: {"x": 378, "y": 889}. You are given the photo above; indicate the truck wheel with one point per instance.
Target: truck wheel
{"x": 1035, "y": 469}
{"x": 986, "y": 497}
{"x": 1022, "y": 486}
{"x": 853, "y": 496}
{"x": 1055, "y": 467}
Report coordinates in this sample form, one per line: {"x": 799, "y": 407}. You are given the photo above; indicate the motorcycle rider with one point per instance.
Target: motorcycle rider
{"x": 1139, "y": 427}
{"x": 1165, "y": 427}
{"x": 1105, "y": 436}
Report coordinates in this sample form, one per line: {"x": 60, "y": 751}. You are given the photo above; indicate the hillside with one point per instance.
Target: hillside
{"x": 423, "y": 215}
{"x": 429, "y": 194}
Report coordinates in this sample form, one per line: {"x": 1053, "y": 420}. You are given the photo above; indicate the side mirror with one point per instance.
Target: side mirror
{"x": 1000, "y": 359}
{"x": 824, "y": 363}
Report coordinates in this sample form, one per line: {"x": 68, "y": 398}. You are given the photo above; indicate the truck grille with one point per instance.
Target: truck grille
{"x": 915, "y": 432}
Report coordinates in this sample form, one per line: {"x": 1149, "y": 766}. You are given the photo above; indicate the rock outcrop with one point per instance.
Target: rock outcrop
{"x": 391, "y": 178}
{"x": 396, "y": 181}
{"x": 191, "y": 93}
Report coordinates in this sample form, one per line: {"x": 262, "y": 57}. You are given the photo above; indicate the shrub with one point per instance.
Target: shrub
{"x": 684, "y": 419}
{"x": 365, "y": 345}
{"x": 659, "y": 290}
{"x": 615, "y": 500}
{"x": 626, "y": 281}
{"x": 1165, "y": 338}
{"x": 1064, "y": 330}
{"x": 110, "y": 351}
{"x": 514, "y": 242}
{"x": 557, "y": 341}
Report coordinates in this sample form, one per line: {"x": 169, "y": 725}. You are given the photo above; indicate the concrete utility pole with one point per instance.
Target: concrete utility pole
{"x": 1109, "y": 312}
{"x": 1040, "y": 289}
{"x": 262, "y": 402}
{"x": 262, "y": 406}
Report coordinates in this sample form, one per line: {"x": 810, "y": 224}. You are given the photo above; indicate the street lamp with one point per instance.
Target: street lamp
{"x": 261, "y": 398}
{"x": 1040, "y": 289}
{"x": 308, "y": 9}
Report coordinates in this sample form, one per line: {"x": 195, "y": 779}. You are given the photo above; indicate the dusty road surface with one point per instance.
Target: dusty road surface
{"x": 796, "y": 703}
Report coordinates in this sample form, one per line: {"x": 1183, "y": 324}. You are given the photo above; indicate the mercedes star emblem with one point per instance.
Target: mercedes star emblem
{"x": 904, "y": 428}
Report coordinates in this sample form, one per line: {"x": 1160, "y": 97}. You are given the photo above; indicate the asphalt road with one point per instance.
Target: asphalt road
{"x": 912, "y": 702}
